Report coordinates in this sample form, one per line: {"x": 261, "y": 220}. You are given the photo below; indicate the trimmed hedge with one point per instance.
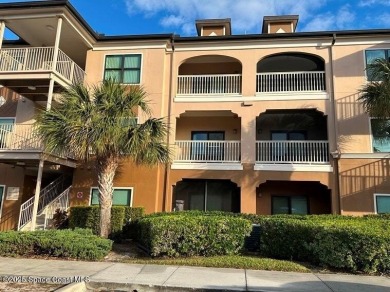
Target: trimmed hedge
{"x": 77, "y": 244}
{"x": 354, "y": 244}
{"x": 192, "y": 235}
{"x": 89, "y": 216}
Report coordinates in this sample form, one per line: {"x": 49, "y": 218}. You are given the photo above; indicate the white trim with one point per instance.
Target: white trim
{"x": 375, "y": 155}
{"x": 125, "y": 54}
{"x": 378, "y": 195}
{"x": 99, "y": 47}
{"x": 2, "y": 200}
{"x": 208, "y": 98}
{"x": 284, "y": 43}
{"x": 294, "y": 167}
{"x": 114, "y": 188}
{"x": 208, "y": 166}
{"x": 292, "y": 95}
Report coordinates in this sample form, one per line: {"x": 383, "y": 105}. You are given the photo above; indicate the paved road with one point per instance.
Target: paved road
{"x": 169, "y": 278}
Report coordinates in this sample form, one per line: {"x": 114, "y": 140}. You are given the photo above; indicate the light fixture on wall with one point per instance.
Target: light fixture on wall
{"x": 235, "y": 131}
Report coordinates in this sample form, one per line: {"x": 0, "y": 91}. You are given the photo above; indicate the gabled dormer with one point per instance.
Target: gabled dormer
{"x": 280, "y": 24}
{"x": 213, "y": 27}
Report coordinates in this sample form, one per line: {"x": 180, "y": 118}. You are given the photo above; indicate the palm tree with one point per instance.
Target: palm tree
{"x": 375, "y": 95}
{"x": 98, "y": 124}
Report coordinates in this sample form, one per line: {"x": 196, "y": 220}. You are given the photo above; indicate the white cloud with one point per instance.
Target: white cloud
{"x": 364, "y": 3}
{"x": 344, "y": 18}
{"x": 246, "y": 15}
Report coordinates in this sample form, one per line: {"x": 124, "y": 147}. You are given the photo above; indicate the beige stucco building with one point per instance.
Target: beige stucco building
{"x": 265, "y": 123}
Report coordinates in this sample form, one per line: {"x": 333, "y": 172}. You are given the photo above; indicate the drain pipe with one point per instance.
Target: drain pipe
{"x": 170, "y": 101}
{"x": 335, "y": 154}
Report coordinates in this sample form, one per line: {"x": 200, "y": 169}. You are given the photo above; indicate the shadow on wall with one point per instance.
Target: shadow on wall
{"x": 7, "y": 221}
{"x": 358, "y": 184}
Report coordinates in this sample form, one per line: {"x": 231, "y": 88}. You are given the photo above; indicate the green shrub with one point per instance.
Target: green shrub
{"x": 192, "y": 235}
{"x": 89, "y": 217}
{"x": 77, "y": 244}
{"x": 355, "y": 244}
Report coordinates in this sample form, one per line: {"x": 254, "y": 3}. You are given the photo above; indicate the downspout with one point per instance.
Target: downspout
{"x": 170, "y": 100}
{"x": 336, "y": 153}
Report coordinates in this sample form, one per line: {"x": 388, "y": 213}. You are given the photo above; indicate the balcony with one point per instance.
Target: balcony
{"x": 40, "y": 60}
{"x": 22, "y": 137}
{"x": 213, "y": 84}
{"x": 292, "y": 152}
{"x": 22, "y": 142}
{"x": 287, "y": 82}
{"x": 214, "y": 153}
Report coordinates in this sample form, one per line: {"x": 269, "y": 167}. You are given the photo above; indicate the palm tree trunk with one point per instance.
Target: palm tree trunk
{"x": 106, "y": 168}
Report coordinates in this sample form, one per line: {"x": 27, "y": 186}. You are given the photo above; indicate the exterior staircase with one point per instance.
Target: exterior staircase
{"x": 54, "y": 196}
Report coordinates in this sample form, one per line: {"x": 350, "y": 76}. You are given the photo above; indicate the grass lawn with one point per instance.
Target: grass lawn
{"x": 234, "y": 261}
{"x": 129, "y": 252}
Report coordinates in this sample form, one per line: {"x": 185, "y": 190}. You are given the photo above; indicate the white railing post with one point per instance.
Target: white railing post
{"x": 299, "y": 152}
{"x": 214, "y": 84}
{"x": 290, "y": 82}
{"x": 207, "y": 151}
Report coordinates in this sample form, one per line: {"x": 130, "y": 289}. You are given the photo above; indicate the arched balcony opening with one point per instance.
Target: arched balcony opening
{"x": 206, "y": 195}
{"x": 208, "y": 138}
{"x": 298, "y": 137}
{"x": 291, "y": 72}
{"x": 211, "y": 75}
{"x": 293, "y": 197}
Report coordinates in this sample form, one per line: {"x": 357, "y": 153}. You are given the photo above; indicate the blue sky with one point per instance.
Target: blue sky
{"x": 116, "y": 17}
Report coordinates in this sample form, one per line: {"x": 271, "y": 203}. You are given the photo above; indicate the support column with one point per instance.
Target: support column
{"x": 36, "y": 196}
{"x": 57, "y": 43}
{"x": 248, "y": 158}
{"x": 50, "y": 95}
{"x": 2, "y": 29}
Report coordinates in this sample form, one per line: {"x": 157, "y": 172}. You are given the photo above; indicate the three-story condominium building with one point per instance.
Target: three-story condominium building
{"x": 265, "y": 123}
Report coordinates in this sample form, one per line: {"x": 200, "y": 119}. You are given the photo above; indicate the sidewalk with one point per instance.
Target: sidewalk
{"x": 129, "y": 277}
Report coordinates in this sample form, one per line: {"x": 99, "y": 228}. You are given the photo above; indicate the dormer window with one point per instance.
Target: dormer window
{"x": 213, "y": 27}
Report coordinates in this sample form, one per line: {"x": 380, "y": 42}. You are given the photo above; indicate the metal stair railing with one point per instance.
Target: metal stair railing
{"x": 46, "y": 195}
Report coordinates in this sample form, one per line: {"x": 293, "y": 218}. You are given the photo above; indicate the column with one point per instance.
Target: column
{"x": 2, "y": 29}
{"x": 36, "y": 196}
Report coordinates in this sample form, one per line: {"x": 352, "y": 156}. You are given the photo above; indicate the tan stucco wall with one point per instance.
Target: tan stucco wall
{"x": 218, "y": 30}
{"x": 146, "y": 181}
{"x": 275, "y": 26}
{"x": 11, "y": 177}
{"x": 360, "y": 179}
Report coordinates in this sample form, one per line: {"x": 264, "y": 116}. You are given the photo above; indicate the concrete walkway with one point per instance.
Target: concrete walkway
{"x": 131, "y": 277}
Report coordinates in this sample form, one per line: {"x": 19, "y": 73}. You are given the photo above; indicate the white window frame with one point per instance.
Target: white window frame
{"x": 123, "y": 54}
{"x": 378, "y": 195}
{"x": 2, "y": 200}
{"x": 114, "y": 188}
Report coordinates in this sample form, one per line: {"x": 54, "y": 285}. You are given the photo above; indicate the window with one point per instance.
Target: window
{"x": 213, "y": 151}
{"x": 371, "y": 56}
{"x": 289, "y": 205}
{"x": 380, "y": 131}
{"x": 123, "y": 68}
{"x": 121, "y": 197}
{"x": 208, "y": 195}
{"x": 2, "y": 188}
{"x": 382, "y": 203}
{"x": 6, "y": 127}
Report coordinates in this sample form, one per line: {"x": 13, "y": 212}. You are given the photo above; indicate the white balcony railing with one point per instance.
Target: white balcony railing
{"x": 19, "y": 137}
{"x": 35, "y": 59}
{"x": 291, "y": 82}
{"x": 207, "y": 151}
{"x": 299, "y": 152}
{"x": 23, "y": 137}
{"x": 216, "y": 84}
